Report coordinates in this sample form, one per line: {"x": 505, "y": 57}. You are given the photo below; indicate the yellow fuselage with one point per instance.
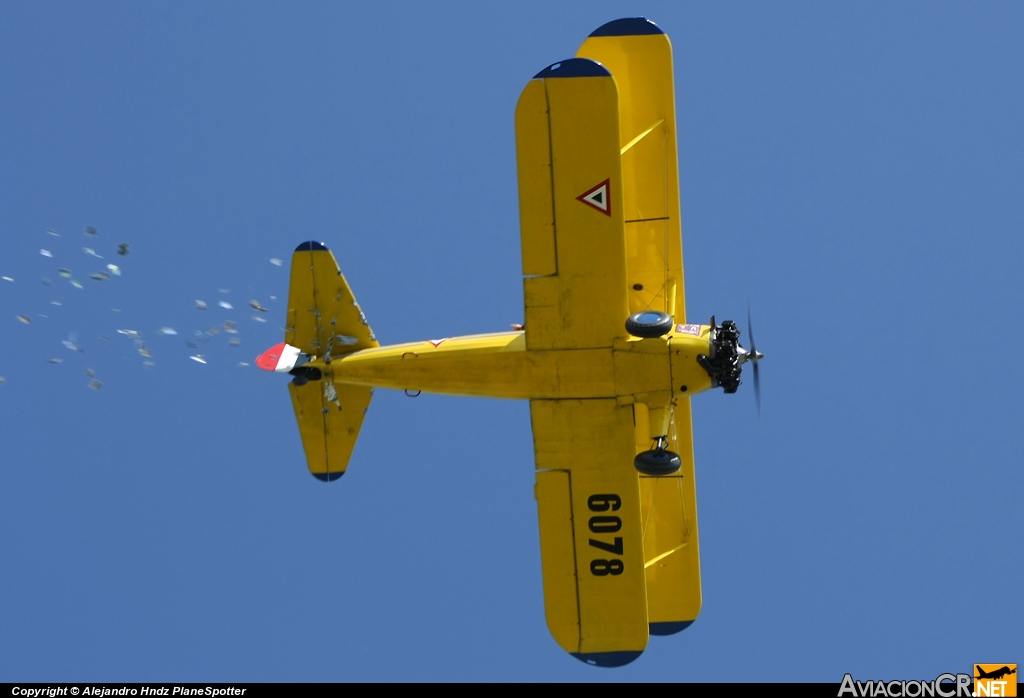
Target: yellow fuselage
{"x": 651, "y": 371}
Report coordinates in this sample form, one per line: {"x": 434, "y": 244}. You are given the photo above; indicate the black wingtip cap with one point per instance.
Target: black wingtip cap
{"x": 606, "y": 659}
{"x": 628, "y": 26}
{"x": 574, "y": 68}
{"x": 669, "y": 628}
{"x": 311, "y": 246}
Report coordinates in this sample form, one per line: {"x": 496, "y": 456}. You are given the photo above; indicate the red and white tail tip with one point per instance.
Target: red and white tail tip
{"x": 280, "y": 358}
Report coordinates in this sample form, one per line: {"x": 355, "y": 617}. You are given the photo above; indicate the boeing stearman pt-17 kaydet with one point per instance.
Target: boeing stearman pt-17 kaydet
{"x": 605, "y": 355}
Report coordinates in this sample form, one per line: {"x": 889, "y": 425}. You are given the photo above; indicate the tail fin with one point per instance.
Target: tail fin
{"x": 323, "y": 322}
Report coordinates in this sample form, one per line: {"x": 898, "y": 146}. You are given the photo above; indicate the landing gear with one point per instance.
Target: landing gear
{"x": 649, "y": 324}
{"x": 658, "y": 461}
{"x": 305, "y": 374}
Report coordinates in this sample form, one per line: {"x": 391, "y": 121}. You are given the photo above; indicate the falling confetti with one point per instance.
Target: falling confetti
{"x": 72, "y": 343}
{"x": 204, "y": 339}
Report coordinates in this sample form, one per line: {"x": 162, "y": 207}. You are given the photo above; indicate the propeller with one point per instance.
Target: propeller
{"x": 753, "y": 358}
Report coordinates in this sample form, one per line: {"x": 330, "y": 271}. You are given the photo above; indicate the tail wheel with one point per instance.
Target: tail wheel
{"x": 657, "y": 462}
{"x": 649, "y": 324}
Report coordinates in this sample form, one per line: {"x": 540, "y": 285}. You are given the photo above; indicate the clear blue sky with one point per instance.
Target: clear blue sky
{"x": 854, "y": 170}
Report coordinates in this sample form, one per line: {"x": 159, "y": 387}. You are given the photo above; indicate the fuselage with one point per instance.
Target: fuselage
{"x": 653, "y": 371}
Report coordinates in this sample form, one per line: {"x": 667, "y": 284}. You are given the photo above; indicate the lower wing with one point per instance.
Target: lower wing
{"x": 592, "y": 552}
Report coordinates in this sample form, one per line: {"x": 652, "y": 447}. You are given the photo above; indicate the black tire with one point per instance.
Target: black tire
{"x": 657, "y": 462}
{"x": 649, "y": 324}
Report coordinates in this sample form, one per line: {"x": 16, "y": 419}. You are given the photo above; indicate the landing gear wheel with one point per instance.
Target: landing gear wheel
{"x": 649, "y": 324}
{"x": 657, "y": 462}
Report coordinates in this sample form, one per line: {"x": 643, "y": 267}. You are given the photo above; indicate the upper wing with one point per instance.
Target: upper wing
{"x": 639, "y": 56}
{"x": 668, "y": 507}
{"x": 592, "y": 551}
{"x": 570, "y": 204}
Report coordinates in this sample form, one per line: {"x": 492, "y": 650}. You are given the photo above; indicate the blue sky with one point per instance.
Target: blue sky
{"x": 851, "y": 170}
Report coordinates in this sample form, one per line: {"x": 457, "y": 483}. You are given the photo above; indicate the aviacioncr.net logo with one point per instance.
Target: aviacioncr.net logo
{"x": 995, "y": 680}
{"x": 943, "y": 686}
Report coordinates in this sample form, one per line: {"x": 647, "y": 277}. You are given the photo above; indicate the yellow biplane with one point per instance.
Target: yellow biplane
{"x": 605, "y": 355}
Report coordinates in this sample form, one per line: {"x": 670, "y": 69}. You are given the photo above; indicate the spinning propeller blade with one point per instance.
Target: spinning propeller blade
{"x": 754, "y": 358}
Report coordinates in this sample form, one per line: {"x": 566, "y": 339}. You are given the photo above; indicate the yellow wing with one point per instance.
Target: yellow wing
{"x": 639, "y": 56}
{"x": 592, "y": 552}
{"x": 669, "y": 512}
{"x": 570, "y": 205}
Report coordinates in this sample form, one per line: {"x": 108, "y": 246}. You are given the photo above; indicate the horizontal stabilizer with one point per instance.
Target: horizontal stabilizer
{"x": 323, "y": 319}
{"x": 329, "y": 418}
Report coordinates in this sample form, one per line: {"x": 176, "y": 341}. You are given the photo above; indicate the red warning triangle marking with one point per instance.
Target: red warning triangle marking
{"x": 599, "y": 197}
